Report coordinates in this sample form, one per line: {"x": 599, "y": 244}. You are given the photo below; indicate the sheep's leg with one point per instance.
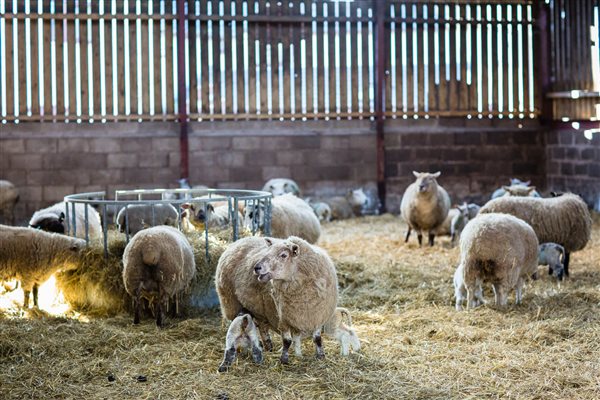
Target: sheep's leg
{"x": 159, "y": 312}
{"x": 228, "y": 359}
{"x": 257, "y": 355}
{"x": 519, "y": 291}
{"x": 35, "y": 295}
{"x": 567, "y": 256}
{"x": 550, "y": 270}
{"x": 407, "y": 235}
{"x": 263, "y": 329}
{"x": 25, "y": 298}
{"x": 287, "y": 341}
{"x": 470, "y": 298}
{"x": 500, "y": 294}
{"x": 431, "y": 238}
{"x": 297, "y": 346}
{"x": 459, "y": 294}
{"x": 318, "y": 343}
{"x": 420, "y": 238}
{"x": 136, "y": 305}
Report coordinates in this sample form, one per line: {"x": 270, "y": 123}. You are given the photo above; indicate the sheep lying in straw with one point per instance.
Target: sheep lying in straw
{"x": 281, "y": 186}
{"x": 424, "y": 205}
{"x": 32, "y": 256}
{"x": 321, "y": 209}
{"x": 242, "y": 334}
{"x": 552, "y": 255}
{"x": 500, "y": 249}
{"x": 287, "y": 285}
{"x": 290, "y": 216}
{"x": 9, "y": 195}
{"x": 348, "y": 206}
{"x": 158, "y": 264}
{"x": 52, "y": 219}
{"x": 564, "y": 220}
{"x": 460, "y": 290}
{"x": 141, "y": 216}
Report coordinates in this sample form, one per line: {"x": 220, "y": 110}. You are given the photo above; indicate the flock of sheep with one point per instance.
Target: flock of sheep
{"x": 285, "y": 282}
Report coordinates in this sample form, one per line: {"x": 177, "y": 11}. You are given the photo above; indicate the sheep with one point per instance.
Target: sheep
{"x": 473, "y": 210}
{"x": 424, "y": 205}
{"x": 158, "y": 264}
{"x": 141, "y": 216}
{"x": 342, "y": 331}
{"x": 564, "y": 220}
{"x": 552, "y": 255}
{"x": 286, "y": 285}
{"x": 281, "y": 186}
{"x": 290, "y": 216}
{"x": 9, "y": 196}
{"x": 321, "y": 209}
{"x": 53, "y": 219}
{"x": 519, "y": 190}
{"x": 348, "y": 206}
{"x": 460, "y": 291}
{"x": 196, "y": 215}
{"x": 33, "y": 255}
{"x": 454, "y": 223}
{"x": 242, "y": 334}
{"x": 513, "y": 182}
{"x": 500, "y": 249}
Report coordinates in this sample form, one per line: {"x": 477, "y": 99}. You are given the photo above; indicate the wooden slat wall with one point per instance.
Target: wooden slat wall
{"x": 255, "y": 59}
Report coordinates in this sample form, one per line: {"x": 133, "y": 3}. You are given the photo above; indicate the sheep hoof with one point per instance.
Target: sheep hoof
{"x": 284, "y": 360}
{"x": 320, "y": 356}
{"x": 223, "y": 368}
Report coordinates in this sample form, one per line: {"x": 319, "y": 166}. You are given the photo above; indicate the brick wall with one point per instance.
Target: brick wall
{"x": 49, "y": 161}
{"x": 573, "y": 164}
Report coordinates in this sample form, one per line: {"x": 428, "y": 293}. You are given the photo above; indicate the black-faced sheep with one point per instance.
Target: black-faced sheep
{"x": 460, "y": 290}
{"x": 425, "y": 205}
{"x": 9, "y": 196}
{"x": 348, "y": 206}
{"x": 158, "y": 264}
{"x": 142, "y": 216}
{"x": 54, "y": 219}
{"x": 281, "y": 186}
{"x": 32, "y": 256}
{"x": 241, "y": 335}
{"x": 499, "y": 249}
{"x": 287, "y": 285}
{"x": 552, "y": 255}
{"x": 290, "y": 216}
{"x": 564, "y": 220}
{"x": 195, "y": 216}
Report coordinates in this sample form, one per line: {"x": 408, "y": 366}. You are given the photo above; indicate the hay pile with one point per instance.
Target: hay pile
{"x": 97, "y": 286}
{"x": 415, "y": 345}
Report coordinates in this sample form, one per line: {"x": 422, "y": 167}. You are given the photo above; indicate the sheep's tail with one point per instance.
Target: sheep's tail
{"x": 151, "y": 256}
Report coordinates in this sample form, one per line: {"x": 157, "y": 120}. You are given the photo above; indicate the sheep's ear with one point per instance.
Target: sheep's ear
{"x": 437, "y": 174}
{"x": 185, "y": 206}
{"x": 269, "y": 241}
{"x": 526, "y": 183}
{"x": 531, "y": 189}
{"x": 210, "y": 207}
{"x": 295, "y": 250}
{"x": 61, "y": 217}
{"x": 416, "y": 174}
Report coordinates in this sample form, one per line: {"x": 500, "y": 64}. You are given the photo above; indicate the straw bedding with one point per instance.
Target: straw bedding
{"x": 415, "y": 345}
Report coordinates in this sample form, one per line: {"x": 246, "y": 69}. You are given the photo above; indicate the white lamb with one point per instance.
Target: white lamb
{"x": 242, "y": 334}
{"x": 460, "y": 290}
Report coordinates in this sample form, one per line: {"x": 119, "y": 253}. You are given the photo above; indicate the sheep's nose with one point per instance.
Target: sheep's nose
{"x": 257, "y": 268}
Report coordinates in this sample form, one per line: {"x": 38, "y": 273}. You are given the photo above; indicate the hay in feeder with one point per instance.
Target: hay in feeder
{"x": 96, "y": 287}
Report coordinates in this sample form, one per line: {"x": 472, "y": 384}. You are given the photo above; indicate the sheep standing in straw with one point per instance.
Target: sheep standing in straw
{"x": 53, "y": 219}
{"x": 158, "y": 264}
{"x": 9, "y": 195}
{"x": 564, "y": 220}
{"x": 242, "y": 334}
{"x": 499, "y": 249}
{"x": 424, "y": 205}
{"x": 460, "y": 290}
{"x": 552, "y": 255}
{"x": 290, "y": 216}
{"x": 287, "y": 285}
{"x": 32, "y": 256}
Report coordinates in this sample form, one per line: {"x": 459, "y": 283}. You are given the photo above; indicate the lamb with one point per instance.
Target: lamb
{"x": 32, "y": 256}
{"x": 281, "y": 186}
{"x": 455, "y": 222}
{"x": 348, "y": 206}
{"x": 196, "y": 215}
{"x": 473, "y": 210}
{"x": 460, "y": 290}
{"x": 286, "y": 285}
{"x": 343, "y": 331}
{"x": 500, "y": 249}
{"x": 513, "y": 182}
{"x": 158, "y": 264}
{"x": 424, "y": 205}
{"x": 141, "y": 216}
{"x": 242, "y": 334}
{"x": 9, "y": 196}
{"x": 564, "y": 220}
{"x": 552, "y": 255}
{"x": 321, "y": 209}
{"x": 53, "y": 219}
{"x": 290, "y": 216}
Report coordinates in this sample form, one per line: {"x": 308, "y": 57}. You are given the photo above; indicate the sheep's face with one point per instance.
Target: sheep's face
{"x": 51, "y": 224}
{"x": 426, "y": 182}
{"x": 198, "y": 214}
{"x": 519, "y": 191}
{"x": 517, "y": 181}
{"x": 278, "y": 262}
{"x": 464, "y": 210}
{"x": 323, "y": 212}
{"x": 357, "y": 197}
{"x": 279, "y": 188}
